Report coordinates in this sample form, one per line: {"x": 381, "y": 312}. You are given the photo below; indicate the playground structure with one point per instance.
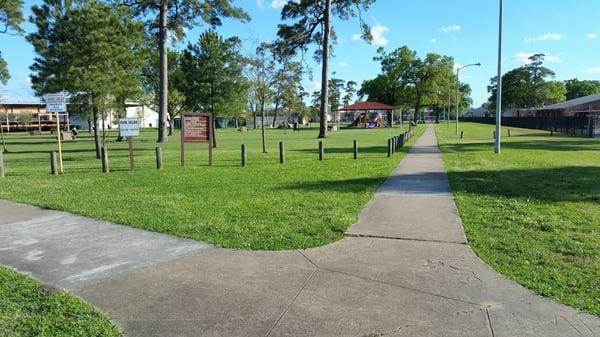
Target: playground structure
{"x": 369, "y": 114}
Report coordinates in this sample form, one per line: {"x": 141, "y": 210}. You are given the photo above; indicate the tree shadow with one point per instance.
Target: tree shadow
{"x": 357, "y": 185}
{"x": 350, "y": 149}
{"x": 580, "y": 144}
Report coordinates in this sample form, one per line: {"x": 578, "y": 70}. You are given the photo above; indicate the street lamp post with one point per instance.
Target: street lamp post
{"x": 458, "y": 89}
{"x": 499, "y": 85}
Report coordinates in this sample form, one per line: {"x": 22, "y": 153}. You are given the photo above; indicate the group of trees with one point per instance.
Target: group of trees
{"x": 106, "y": 52}
{"x": 530, "y": 86}
{"x": 410, "y": 82}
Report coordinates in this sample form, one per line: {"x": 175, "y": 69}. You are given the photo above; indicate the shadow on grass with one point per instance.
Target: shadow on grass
{"x": 573, "y": 184}
{"x": 357, "y": 185}
{"x": 349, "y": 149}
{"x": 580, "y": 144}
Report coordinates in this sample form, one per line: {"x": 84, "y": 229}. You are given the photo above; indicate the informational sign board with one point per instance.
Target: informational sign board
{"x": 56, "y": 103}
{"x": 196, "y": 128}
{"x": 129, "y": 127}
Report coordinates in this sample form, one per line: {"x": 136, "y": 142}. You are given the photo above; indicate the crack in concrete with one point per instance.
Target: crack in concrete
{"x": 489, "y": 321}
{"x": 287, "y": 308}
{"x": 383, "y": 237}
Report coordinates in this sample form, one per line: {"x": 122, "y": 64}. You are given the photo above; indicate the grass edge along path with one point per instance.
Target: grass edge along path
{"x": 27, "y": 308}
{"x": 532, "y": 213}
{"x": 303, "y": 203}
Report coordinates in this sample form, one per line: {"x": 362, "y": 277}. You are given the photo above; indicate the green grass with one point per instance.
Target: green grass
{"x": 265, "y": 206}
{"x": 28, "y": 309}
{"x": 532, "y": 213}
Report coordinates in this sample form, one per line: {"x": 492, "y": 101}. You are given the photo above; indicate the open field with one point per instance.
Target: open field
{"x": 28, "y": 309}
{"x": 266, "y": 205}
{"x": 532, "y": 213}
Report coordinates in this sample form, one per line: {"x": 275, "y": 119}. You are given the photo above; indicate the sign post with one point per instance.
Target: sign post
{"x": 56, "y": 103}
{"x": 196, "y": 128}
{"x": 129, "y": 128}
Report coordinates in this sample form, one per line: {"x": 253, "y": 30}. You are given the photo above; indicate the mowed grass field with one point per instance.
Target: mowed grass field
{"x": 28, "y": 309}
{"x": 264, "y": 206}
{"x": 532, "y": 213}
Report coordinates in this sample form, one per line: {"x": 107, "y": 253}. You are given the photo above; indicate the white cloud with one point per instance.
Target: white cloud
{"x": 434, "y": 40}
{"x": 343, "y": 64}
{"x": 378, "y": 32}
{"x": 523, "y": 57}
{"x": 593, "y": 70}
{"x": 316, "y": 85}
{"x": 260, "y": 4}
{"x": 451, "y": 28}
{"x": 278, "y": 3}
{"x": 592, "y": 36}
{"x": 545, "y": 37}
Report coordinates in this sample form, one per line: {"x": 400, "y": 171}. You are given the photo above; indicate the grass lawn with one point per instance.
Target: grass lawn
{"x": 27, "y": 309}
{"x": 533, "y": 213}
{"x": 303, "y": 203}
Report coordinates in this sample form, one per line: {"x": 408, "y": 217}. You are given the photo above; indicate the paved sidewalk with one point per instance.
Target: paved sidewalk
{"x": 403, "y": 270}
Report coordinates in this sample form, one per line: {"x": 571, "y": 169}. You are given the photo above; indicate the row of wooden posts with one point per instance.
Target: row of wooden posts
{"x": 394, "y": 144}
{"x": 397, "y": 142}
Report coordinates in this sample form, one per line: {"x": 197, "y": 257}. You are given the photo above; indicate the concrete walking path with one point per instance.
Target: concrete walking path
{"x": 403, "y": 270}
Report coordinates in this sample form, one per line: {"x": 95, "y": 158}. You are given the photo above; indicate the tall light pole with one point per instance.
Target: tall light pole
{"x": 458, "y": 88}
{"x": 499, "y": 86}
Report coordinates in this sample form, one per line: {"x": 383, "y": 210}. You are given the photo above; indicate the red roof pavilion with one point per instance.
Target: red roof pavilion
{"x": 367, "y": 106}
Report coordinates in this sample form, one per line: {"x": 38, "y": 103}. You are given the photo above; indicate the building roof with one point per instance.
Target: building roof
{"x": 573, "y": 103}
{"x": 368, "y": 106}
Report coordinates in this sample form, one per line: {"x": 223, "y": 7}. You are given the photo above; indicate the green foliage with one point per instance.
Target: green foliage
{"x": 92, "y": 51}
{"x": 213, "y": 80}
{"x": 265, "y": 205}
{"x": 406, "y": 80}
{"x": 576, "y": 88}
{"x": 532, "y": 213}
{"x": 526, "y": 87}
{"x": 28, "y": 309}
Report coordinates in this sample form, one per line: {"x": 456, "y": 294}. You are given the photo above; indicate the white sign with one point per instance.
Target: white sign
{"x": 56, "y": 103}
{"x": 129, "y": 127}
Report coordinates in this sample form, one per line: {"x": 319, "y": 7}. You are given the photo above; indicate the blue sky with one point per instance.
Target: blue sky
{"x": 568, "y": 32}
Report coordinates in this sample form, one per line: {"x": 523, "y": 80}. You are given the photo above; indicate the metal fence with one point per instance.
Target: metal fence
{"x": 584, "y": 126}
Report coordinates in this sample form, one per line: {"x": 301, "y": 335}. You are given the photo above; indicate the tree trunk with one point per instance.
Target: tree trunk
{"x": 417, "y": 108}
{"x": 254, "y": 117}
{"x": 214, "y": 133}
{"x": 89, "y": 121}
{"x": 262, "y": 127}
{"x": 164, "y": 73}
{"x": 275, "y": 112}
{"x": 325, "y": 72}
{"x": 96, "y": 131}
{"x": 170, "y": 126}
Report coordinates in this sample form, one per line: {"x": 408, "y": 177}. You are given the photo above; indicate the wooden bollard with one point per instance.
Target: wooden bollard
{"x": 1, "y": 163}
{"x": 389, "y": 147}
{"x": 393, "y": 144}
{"x": 159, "y": 158}
{"x": 321, "y": 150}
{"x": 461, "y": 134}
{"x": 53, "y": 164}
{"x": 355, "y": 143}
{"x": 551, "y": 132}
{"x": 281, "y": 153}
{"x": 244, "y": 155}
{"x": 508, "y": 133}
{"x": 104, "y": 156}
{"x": 494, "y": 135}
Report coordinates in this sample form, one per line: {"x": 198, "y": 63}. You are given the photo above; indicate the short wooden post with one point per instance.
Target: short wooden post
{"x": 281, "y": 153}
{"x": 494, "y": 135}
{"x": 551, "y": 132}
{"x": 393, "y": 140}
{"x": 355, "y": 143}
{"x": 159, "y": 158}
{"x": 105, "y": 167}
{"x": 244, "y": 155}
{"x": 509, "y": 133}
{"x": 131, "y": 159}
{"x": 1, "y": 162}
{"x": 53, "y": 164}
{"x": 321, "y": 150}
{"x": 461, "y": 134}
{"x": 402, "y": 140}
{"x": 389, "y": 147}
